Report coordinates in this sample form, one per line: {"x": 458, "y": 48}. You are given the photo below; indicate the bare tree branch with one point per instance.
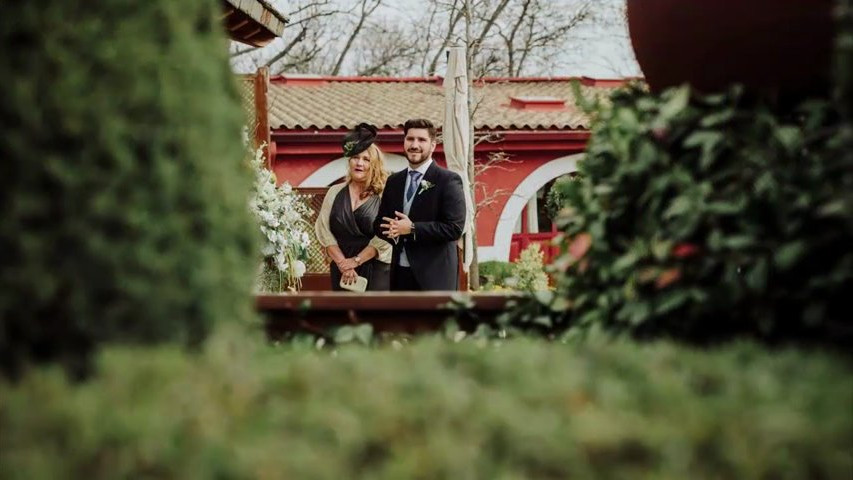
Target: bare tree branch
{"x": 509, "y": 40}
{"x": 495, "y": 160}
{"x": 387, "y": 50}
{"x": 287, "y": 48}
{"x": 238, "y": 52}
{"x": 487, "y": 26}
{"x": 456, "y": 15}
{"x": 365, "y": 13}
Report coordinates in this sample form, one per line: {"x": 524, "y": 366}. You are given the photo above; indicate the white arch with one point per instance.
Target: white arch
{"x": 328, "y": 173}
{"x": 518, "y": 200}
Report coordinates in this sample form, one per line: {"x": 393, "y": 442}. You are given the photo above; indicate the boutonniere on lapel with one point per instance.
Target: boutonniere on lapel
{"x": 425, "y": 185}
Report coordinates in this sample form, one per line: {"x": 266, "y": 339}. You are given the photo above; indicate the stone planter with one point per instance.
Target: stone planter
{"x": 776, "y": 45}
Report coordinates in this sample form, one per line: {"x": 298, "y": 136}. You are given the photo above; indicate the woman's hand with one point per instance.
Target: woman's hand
{"x": 349, "y": 276}
{"x": 347, "y": 264}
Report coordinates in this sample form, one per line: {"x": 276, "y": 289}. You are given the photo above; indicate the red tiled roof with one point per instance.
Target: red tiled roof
{"x": 298, "y": 102}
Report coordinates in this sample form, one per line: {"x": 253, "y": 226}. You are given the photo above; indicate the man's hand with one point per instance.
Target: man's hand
{"x": 396, "y": 227}
{"x": 389, "y": 227}
{"x": 404, "y": 225}
{"x": 347, "y": 264}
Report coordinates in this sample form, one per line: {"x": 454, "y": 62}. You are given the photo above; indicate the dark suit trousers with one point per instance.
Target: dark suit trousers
{"x": 404, "y": 280}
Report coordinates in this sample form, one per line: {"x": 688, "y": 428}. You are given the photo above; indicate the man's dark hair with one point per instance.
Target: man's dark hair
{"x": 419, "y": 123}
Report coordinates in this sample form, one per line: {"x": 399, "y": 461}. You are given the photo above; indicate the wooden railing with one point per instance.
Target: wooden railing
{"x": 410, "y": 312}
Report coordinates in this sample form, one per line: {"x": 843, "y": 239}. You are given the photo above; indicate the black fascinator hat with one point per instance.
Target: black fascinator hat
{"x": 359, "y": 139}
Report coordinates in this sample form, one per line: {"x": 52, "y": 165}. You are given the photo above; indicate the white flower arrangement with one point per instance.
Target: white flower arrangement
{"x": 281, "y": 217}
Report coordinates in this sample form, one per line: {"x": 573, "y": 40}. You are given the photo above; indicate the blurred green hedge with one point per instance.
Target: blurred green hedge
{"x": 435, "y": 409}
{"x": 708, "y": 217}
{"x": 122, "y": 187}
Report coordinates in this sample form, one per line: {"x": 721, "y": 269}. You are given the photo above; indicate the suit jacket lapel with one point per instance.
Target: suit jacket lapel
{"x": 395, "y": 189}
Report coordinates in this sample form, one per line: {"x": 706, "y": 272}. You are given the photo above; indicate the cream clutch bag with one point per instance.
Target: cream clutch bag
{"x": 360, "y": 284}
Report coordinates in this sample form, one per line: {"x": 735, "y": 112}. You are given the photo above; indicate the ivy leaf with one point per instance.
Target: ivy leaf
{"x": 461, "y": 301}
{"x": 756, "y": 277}
{"x": 625, "y": 261}
{"x": 676, "y": 104}
{"x": 364, "y": 333}
{"x": 679, "y": 206}
{"x": 790, "y": 137}
{"x": 543, "y": 320}
{"x": 560, "y": 304}
{"x": 726, "y": 207}
{"x": 544, "y": 297}
{"x": 738, "y": 242}
{"x": 835, "y": 208}
{"x": 787, "y": 255}
{"x": 671, "y": 300}
{"x": 708, "y": 141}
{"x": 635, "y": 313}
{"x": 661, "y": 249}
{"x": 344, "y": 334}
{"x": 717, "y": 118}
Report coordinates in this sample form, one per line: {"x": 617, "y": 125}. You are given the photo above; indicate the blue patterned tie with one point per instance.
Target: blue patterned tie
{"x": 413, "y": 184}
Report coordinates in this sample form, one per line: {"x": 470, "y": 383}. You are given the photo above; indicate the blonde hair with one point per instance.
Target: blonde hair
{"x": 377, "y": 175}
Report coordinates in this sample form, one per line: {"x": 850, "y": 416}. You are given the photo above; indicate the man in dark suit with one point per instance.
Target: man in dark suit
{"x": 422, "y": 214}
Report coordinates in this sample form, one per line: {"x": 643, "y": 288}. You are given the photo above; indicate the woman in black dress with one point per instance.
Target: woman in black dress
{"x": 344, "y": 225}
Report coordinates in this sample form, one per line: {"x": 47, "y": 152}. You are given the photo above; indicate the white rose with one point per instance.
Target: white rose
{"x": 299, "y": 268}
{"x": 281, "y": 262}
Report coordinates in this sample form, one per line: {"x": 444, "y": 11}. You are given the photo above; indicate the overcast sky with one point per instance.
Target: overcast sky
{"x": 594, "y": 51}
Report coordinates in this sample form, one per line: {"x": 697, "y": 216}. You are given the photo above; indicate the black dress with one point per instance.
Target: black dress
{"x": 353, "y": 230}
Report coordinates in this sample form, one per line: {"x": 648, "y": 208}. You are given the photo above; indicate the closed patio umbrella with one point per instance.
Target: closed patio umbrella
{"x": 455, "y": 136}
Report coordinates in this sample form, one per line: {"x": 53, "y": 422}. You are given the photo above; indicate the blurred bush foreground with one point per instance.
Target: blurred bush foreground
{"x": 123, "y": 194}
{"x": 128, "y": 239}
{"x": 710, "y": 217}
{"x": 434, "y": 409}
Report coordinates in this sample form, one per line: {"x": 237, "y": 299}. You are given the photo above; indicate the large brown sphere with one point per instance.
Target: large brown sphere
{"x": 777, "y": 45}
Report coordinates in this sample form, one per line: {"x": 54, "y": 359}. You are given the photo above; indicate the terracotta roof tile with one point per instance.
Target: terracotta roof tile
{"x": 334, "y": 102}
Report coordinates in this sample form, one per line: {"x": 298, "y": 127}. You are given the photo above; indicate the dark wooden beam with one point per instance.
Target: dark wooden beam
{"x": 262, "y": 117}
{"x": 238, "y": 25}
{"x": 252, "y": 34}
{"x": 409, "y": 312}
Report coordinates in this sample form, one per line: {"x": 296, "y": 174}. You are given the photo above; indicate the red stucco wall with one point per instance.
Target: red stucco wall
{"x": 299, "y": 154}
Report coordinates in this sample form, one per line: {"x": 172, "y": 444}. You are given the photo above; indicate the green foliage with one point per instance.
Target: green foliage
{"x": 556, "y": 200}
{"x": 494, "y": 274}
{"x": 526, "y": 274}
{"x": 529, "y": 271}
{"x": 434, "y": 409}
{"x": 123, "y": 198}
{"x": 708, "y": 217}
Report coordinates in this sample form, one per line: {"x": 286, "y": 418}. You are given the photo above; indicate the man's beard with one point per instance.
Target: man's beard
{"x": 424, "y": 156}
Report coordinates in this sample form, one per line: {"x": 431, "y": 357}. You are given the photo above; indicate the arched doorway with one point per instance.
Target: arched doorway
{"x": 520, "y": 222}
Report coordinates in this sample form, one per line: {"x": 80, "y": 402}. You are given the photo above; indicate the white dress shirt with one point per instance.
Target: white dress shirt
{"x": 407, "y": 204}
